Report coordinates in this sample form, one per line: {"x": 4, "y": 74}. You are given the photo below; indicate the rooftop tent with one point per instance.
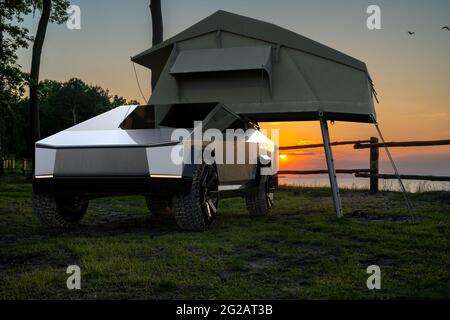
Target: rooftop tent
{"x": 259, "y": 70}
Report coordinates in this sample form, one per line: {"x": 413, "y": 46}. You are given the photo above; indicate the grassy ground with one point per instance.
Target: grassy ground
{"x": 300, "y": 251}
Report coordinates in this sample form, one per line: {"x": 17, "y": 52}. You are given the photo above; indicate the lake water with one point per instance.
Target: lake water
{"x": 348, "y": 181}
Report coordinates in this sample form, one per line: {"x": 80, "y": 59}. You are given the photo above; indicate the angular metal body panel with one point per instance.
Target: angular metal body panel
{"x": 81, "y": 157}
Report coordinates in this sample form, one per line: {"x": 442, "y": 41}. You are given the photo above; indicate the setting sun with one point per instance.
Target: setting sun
{"x": 283, "y": 156}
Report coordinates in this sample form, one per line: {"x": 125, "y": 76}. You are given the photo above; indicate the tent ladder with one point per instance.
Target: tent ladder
{"x": 330, "y": 165}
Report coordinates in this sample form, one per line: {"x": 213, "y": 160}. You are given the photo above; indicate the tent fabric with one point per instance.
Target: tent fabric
{"x": 222, "y": 59}
{"x": 234, "y": 23}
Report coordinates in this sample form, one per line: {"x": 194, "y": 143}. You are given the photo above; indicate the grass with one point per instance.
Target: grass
{"x": 301, "y": 251}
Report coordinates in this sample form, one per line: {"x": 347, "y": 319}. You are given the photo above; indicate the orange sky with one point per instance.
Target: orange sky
{"x": 423, "y": 160}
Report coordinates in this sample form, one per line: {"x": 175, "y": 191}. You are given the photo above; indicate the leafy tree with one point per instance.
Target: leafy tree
{"x": 14, "y": 36}
{"x": 12, "y": 79}
{"x": 62, "y": 104}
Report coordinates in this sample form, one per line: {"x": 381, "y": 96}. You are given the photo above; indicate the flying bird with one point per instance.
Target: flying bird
{"x": 445, "y": 27}
{"x": 411, "y": 33}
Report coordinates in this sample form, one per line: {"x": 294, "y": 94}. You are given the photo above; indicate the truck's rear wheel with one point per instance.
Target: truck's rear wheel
{"x": 59, "y": 210}
{"x": 260, "y": 203}
{"x": 196, "y": 210}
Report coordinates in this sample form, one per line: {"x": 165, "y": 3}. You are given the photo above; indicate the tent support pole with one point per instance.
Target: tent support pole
{"x": 330, "y": 165}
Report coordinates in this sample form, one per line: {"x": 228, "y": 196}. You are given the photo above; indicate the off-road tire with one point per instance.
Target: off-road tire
{"x": 158, "y": 206}
{"x": 192, "y": 211}
{"x": 59, "y": 211}
{"x": 260, "y": 202}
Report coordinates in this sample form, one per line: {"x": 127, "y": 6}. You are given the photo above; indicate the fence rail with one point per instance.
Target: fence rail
{"x": 322, "y": 171}
{"x": 403, "y": 176}
{"x": 373, "y": 172}
{"x": 363, "y": 145}
{"x": 319, "y": 145}
{"x": 13, "y": 165}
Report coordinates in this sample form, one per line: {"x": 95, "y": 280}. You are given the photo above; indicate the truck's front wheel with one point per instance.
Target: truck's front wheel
{"x": 196, "y": 209}
{"x": 59, "y": 210}
{"x": 260, "y": 202}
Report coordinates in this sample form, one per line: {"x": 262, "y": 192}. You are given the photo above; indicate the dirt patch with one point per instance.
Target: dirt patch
{"x": 262, "y": 263}
{"x": 34, "y": 260}
{"x": 229, "y": 274}
{"x": 252, "y": 267}
{"x": 381, "y": 261}
{"x": 4, "y": 210}
{"x": 8, "y": 239}
{"x": 359, "y": 215}
{"x": 118, "y": 218}
{"x": 306, "y": 247}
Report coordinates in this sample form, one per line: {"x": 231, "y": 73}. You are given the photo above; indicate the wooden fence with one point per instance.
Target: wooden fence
{"x": 373, "y": 171}
{"x": 12, "y": 165}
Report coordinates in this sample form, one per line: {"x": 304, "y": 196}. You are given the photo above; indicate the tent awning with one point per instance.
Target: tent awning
{"x": 222, "y": 59}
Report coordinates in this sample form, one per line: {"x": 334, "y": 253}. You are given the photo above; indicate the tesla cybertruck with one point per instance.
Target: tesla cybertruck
{"x": 227, "y": 72}
{"x": 121, "y": 152}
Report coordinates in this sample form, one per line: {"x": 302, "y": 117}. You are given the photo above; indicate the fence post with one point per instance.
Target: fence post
{"x": 374, "y": 165}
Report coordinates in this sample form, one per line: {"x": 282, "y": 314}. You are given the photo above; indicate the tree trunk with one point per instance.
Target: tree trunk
{"x": 157, "y": 27}
{"x": 34, "y": 74}
{"x": 74, "y": 114}
{"x": 2, "y": 88}
{"x": 1, "y": 146}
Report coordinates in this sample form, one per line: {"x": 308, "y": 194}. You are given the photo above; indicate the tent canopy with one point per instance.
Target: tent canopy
{"x": 258, "y": 69}
{"x": 226, "y": 59}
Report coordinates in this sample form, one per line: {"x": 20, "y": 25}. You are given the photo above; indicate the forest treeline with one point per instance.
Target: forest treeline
{"x": 61, "y": 105}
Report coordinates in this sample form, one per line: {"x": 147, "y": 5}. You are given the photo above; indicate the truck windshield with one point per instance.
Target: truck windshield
{"x": 143, "y": 117}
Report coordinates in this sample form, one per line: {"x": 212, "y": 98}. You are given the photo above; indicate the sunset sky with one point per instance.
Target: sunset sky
{"x": 411, "y": 74}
